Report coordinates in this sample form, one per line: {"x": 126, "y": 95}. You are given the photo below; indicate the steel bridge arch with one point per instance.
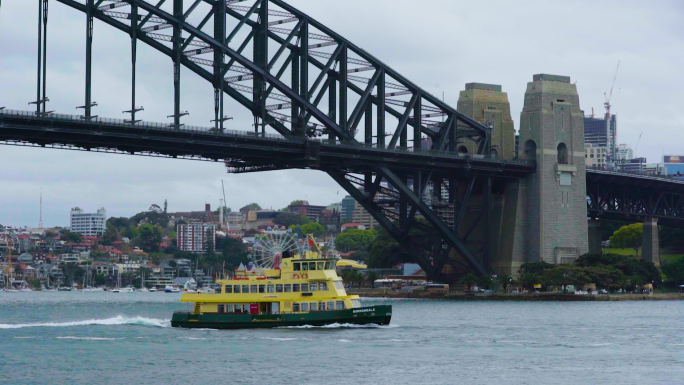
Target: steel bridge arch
{"x": 334, "y": 77}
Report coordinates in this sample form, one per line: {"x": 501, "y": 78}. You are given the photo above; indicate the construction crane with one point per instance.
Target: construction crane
{"x": 611, "y": 136}
{"x": 607, "y": 95}
{"x": 636, "y": 149}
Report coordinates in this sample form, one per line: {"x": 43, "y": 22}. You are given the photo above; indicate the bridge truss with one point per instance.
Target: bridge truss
{"x": 304, "y": 81}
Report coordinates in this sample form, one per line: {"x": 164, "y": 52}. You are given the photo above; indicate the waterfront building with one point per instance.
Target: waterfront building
{"x": 360, "y": 215}
{"x": 196, "y": 237}
{"x": 70, "y": 258}
{"x": 88, "y": 224}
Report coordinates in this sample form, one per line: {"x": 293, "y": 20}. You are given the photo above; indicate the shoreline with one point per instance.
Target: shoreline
{"x": 518, "y": 297}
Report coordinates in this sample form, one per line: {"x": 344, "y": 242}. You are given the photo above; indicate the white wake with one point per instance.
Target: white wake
{"x": 118, "y": 320}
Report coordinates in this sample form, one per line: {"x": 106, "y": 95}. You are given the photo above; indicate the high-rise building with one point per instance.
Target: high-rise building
{"x": 595, "y": 157}
{"x": 601, "y": 134}
{"x": 347, "y": 211}
{"x": 634, "y": 165}
{"x": 196, "y": 237}
{"x": 360, "y": 215}
{"x": 88, "y": 224}
{"x": 303, "y": 208}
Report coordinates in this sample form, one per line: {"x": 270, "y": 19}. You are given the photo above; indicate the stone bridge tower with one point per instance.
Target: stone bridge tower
{"x": 552, "y": 133}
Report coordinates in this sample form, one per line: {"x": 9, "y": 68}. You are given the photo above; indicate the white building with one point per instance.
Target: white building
{"x": 195, "y": 237}
{"x": 624, "y": 152}
{"x": 88, "y": 224}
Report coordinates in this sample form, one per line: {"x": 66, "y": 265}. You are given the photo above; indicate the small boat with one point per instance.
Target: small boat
{"x": 64, "y": 288}
{"x": 117, "y": 290}
{"x": 26, "y": 290}
{"x": 51, "y": 290}
{"x": 10, "y": 290}
{"x": 153, "y": 289}
{"x": 172, "y": 289}
{"x": 206, "y": 290}
{"x": 144, "y": 289}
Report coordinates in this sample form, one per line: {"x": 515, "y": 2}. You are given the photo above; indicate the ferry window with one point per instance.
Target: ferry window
{"x": 288, "y": 288}
{"x": 238, "y": 308}
{"x": 305, "y": 306}
{"x": 295, "y": 287}
{"x": 262, "y": 288}
{"x": 305, "y": 287}
{"x": 295, "y": 307}
{"x": 220, "y": 308}
{"x": 320, "y": 265}
{"x": 245, "y": 289}
{"x": 237, "y": 289}
{"x": 313, "y": 287}
{"x": 327, "y": 265}
{"x": 314, "y": 306}
{"x": 228, "y": 289}
{"x": 321, "y": 306}
{"x": 312, "y": 265}
{"x": 339, "y": 305}
{"x": 331, "y": 305}
{"x": 245, "y": 308}
{"x": 229, "y": 308}
{"x": 322, "y": 286}
{"x": 271, "y": 289}
{"x": 333, "y": 264}
{"x": 339, "y": 285}
{"x": 356, "y": 303}
{"x": 297, "y": 266}
{"x": 305, "y": 266}
{"x": 253, "y": 289}
{"x": 279, "y": 288}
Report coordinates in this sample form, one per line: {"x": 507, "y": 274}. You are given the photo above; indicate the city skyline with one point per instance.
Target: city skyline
{"x": 646, "y": 86}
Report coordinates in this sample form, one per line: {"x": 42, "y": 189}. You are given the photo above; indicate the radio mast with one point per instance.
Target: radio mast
{"x": 40, "y": 218}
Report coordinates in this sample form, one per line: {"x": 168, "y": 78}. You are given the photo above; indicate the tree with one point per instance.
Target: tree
{"x": 563, "y": 275}
{"x": 130, "y": 232}
{"x": 71, "y": 237}
{"x": 234, "y": 252}
{"x": 120, "y": 223}
{"x": 468, "y": 280}
{"x": 354, "y": 239}
{"x": 99, "y": 279}
{"x": 483, "y": 281}
{"x": 73, "y": 272}
{"x": 385, "y": 251}
{"x": 313, "y": 228}
{"x": 675, "y": 271}
{"x": 536, "y": 268}
{"x": 608, "y": 227}
{"x": 155, "y": 216}
{"x": 290, "y": 219}
{"x": 251, "y": 206}
{"x": 172, "y": 235}
{"x": 629, "y": 236}
{"x": 150, "y": 237}
{"x": 504, "y": 280}
{"x": 528, "y": 280}
{"x": 372, "y": 277}
{"x": 110, "y": 235}
{"x": 628, "y": 265}
{"x": 671, "y": 238}
{"x": 210, "y": 244}
{"x": 607, "y": 277}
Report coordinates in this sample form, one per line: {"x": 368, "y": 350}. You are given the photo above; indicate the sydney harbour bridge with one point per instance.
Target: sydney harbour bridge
{"x": 321, "y": 102}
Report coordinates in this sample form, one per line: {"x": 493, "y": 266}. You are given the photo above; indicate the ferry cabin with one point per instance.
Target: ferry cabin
{"x": 299, "y": 286}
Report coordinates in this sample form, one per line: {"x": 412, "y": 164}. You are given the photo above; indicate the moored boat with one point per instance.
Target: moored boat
{"x": 300, "y": 289}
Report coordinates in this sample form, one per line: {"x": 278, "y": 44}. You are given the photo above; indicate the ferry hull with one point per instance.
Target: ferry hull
{"x": 379, "y": 315}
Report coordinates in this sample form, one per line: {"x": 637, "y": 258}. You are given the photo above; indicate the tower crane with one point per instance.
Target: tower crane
{"x": 611, "y": 136}
{"x": 636, "y": 149}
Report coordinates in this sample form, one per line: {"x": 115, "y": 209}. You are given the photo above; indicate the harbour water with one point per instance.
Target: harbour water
{"x": 106, "y": 338}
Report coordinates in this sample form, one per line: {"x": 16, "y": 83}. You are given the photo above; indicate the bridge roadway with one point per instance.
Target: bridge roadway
{"x": 610, "y": 195}
{"x": 242, "y": 151}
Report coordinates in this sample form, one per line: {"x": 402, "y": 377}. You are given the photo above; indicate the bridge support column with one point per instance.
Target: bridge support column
{"x": 650, "y": 244}
{"x": 595, "y": 236}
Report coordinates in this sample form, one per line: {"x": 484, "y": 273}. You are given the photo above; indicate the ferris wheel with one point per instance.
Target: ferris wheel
{"x": 270, "y": 246}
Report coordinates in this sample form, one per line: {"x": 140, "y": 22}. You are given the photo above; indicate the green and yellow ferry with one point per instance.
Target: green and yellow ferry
{"x": 302, "y": 290}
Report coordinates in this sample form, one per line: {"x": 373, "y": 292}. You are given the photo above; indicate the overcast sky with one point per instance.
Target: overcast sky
{"x": 438, "y": 44}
